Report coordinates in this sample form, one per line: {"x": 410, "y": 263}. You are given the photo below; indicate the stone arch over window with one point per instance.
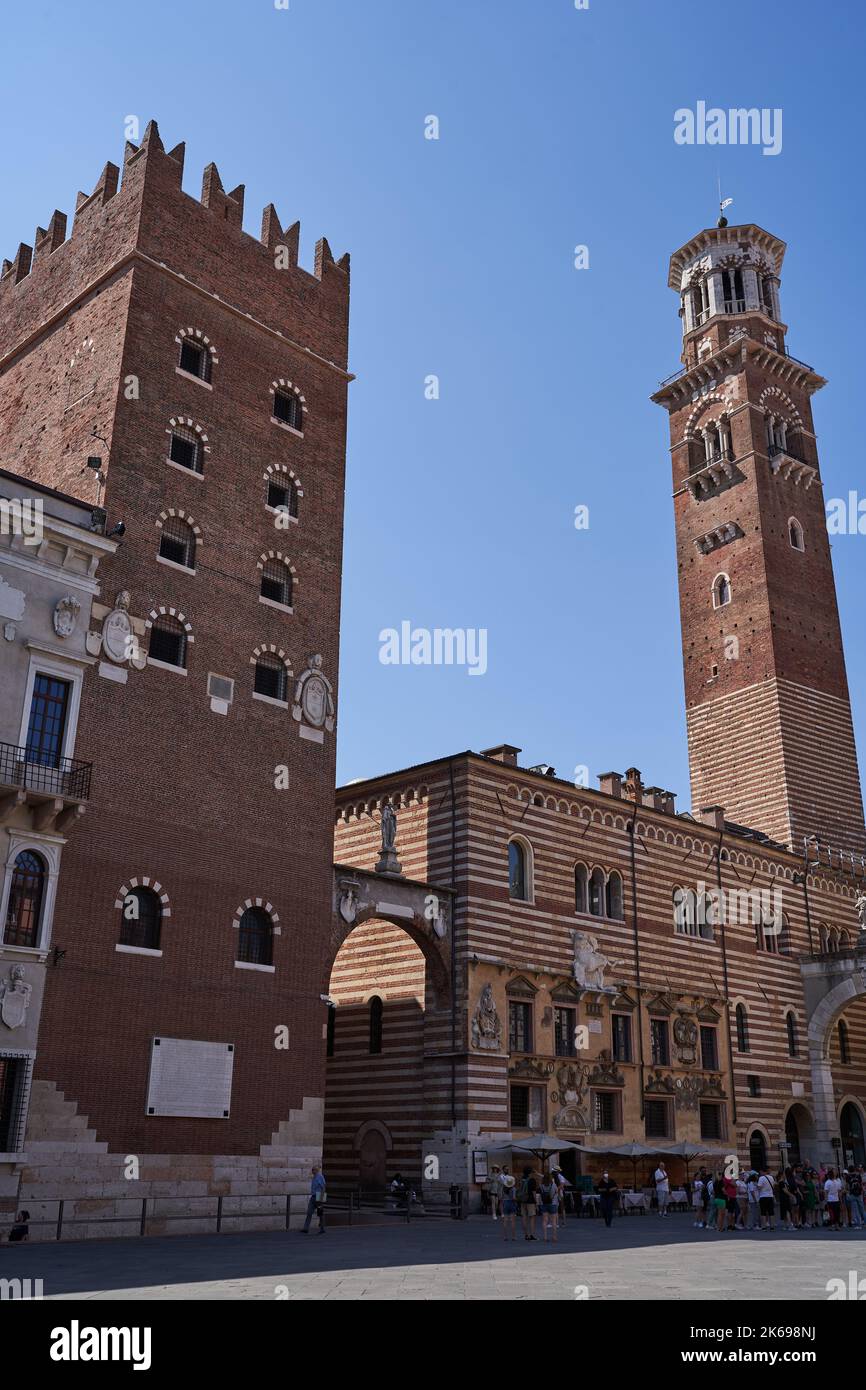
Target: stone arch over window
{"x": 278, "y": 578}
{"x": 288, "y": 404}
{"x": 695, "y": 422}
{"x": 284, "y": 489}
{"x": 271, "y": 677}
{"x": 597, "y": 886}
{"x": 376, "y": 1008}
{"x": 187, "y": 444}
{"x": 581, "y": 888}
{"x": 722, "y": 591}
{"x": 520, "y": 869}
{"x": 257, "y": 923}
{"x": 796, "y": 534}
{"x": 742, "y": 1022}
{"x": 170, "y": 635}
{"x": 614, "y": 896}
{"x": 25, "y": 906}
{"x": 144, "y": 906}
{"x": 792, "y": 1031}
{"x": 179, "y": 538}
{"x": 196, "y": 353}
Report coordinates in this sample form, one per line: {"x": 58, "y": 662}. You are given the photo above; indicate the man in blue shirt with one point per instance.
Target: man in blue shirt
{"x": 317, "y": 1201}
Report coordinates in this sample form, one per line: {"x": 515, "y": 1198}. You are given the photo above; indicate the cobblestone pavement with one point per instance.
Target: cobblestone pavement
{"x": 638, "y": 1258}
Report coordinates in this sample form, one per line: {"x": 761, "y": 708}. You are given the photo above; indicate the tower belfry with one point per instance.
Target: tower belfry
{"x": 770, "y": 732}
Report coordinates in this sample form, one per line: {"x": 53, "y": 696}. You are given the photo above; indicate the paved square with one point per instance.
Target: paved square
{"x": 638, "y": 1258}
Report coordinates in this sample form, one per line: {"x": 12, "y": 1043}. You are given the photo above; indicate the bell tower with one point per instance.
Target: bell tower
{"x": 770, "y": 733}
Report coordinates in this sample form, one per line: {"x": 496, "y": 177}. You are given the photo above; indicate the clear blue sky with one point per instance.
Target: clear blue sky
{"x": 556, "y": 129}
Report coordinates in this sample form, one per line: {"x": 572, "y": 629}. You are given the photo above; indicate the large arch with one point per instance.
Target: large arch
{"x": 389, "y": 1056}
{"x": 831, "y": 983}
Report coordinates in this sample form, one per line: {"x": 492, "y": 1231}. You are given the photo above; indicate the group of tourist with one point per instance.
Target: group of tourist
{"x": 529, "y": 1196}
{"x": 803, "y": 1198}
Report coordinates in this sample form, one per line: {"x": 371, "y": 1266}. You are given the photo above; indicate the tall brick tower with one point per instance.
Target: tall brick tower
{"x": 207, "y": 370}
{"x": 769, "y": 720}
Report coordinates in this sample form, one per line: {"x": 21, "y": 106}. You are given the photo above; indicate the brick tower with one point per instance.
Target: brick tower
{"x": 770, "y": 733}
{"x": 207, "y": 370}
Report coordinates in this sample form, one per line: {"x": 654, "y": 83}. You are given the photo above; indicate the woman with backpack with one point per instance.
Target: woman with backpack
{"x": 526, "y": 1196}
{"x": 549, "y": 1194}
{"x": 509, "y": 1204}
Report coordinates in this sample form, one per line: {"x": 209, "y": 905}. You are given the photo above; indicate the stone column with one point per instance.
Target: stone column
{"x": 750, "y": 287}
{"x": 826, "y": 1127}
{"x": 717, "y": 294}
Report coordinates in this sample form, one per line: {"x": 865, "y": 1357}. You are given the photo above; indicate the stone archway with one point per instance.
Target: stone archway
{"x": 851, "y": 1128}
{"x": 830, "y": 984}
{"x": 390, "y": 999}
{"x": 799, "y": 1135}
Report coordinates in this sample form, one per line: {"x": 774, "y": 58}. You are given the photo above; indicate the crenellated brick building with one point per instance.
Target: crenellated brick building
{"x": 204, "y": 373}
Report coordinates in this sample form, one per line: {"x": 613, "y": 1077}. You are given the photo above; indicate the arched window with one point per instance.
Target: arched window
{"x": 518, "y": 871}
{"x": 844, "y": 1045}
{"x": 287, "y": 409}
{"x": 581, "y": 888}
{"x": 721, "y": 591}
{"x": 168, "y": 641}
{"x": 26, "y": 896}
{"x": 614, "y": 896}
{"x": 141, "y": 919}
{"x": 700, "y": 304}
{"x": 793, "y": 1041}
{"x": 177, "y": 542}
{"x": 767, "y": 937}
{"x": 733, "y": 292}
{"x": 742, "y": 1029}
{"x": 684, "y": 912}
{"x": 271, "y": 677}
{"x": 185, "y": 449}
{"x": 194, "y": 358}
{"x": 795, "y": 534}
{"x": 277, "y": 582}
{"x": 597, "y": 893}
{"x": 283, "y": 494}
{"x": 256, "y": 937}
{"x": 376, "y": 1011}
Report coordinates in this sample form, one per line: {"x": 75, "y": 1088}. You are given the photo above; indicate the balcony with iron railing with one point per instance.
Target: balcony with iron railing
{"x": 40, "y": 779}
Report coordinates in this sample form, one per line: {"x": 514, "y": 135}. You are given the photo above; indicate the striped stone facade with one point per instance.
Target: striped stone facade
{"x": 667, "y": 980}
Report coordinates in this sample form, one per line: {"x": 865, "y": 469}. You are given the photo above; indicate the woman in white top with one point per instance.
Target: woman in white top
{"x": 832, "y": 1190}
{"x": 765, "y": 1201}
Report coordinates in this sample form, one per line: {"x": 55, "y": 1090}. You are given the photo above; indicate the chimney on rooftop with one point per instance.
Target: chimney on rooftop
{"x": 610, "y": 783}
{"x": 502, "y": 753}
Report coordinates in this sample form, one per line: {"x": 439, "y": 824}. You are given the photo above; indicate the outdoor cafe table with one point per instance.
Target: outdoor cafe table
{"x": 635, "y": 1201}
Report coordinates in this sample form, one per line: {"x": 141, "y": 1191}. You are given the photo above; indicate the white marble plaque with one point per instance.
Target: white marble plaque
{"x": 192, "y": 1079}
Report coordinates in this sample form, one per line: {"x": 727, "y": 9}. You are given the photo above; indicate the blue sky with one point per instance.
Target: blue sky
{"x": 556, "y": 129}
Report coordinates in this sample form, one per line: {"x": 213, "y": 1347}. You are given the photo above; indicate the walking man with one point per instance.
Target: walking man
{"x": 663, "y": 1189}
{"x": 316, "y": 1202}
{"x": 608, "y": 1192}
